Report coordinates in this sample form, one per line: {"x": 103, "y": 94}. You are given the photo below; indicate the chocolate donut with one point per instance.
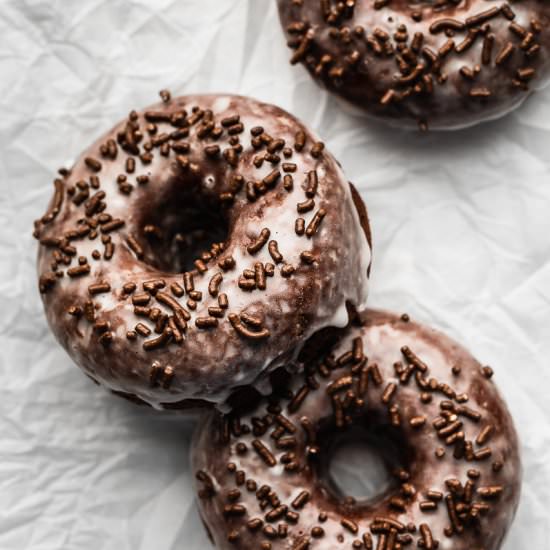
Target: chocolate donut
{"x": 417, "y": 398}
{"x": 195, "y": 246}
{"x": 441, "y": 64}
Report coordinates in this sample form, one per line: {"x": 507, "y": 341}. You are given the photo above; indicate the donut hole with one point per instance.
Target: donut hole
{"x": 358, "y": 471}
{"x": 181, "y": 225}
{"x": 359, "y": 464}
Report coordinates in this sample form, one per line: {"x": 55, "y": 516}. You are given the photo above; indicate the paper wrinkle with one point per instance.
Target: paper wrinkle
{"x": 460, "y": 225}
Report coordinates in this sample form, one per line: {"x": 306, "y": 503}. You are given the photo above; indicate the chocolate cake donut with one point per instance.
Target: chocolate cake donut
{"x": 418, "y": 399}
{"x": 441, "y": 64}
{"x": 196, "y": 246}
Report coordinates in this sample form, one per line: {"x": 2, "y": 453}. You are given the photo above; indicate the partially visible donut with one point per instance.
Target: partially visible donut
{"x": 440, "y": 64}
{"x": 196, "y": 246}
{"x": 420, "y": 400}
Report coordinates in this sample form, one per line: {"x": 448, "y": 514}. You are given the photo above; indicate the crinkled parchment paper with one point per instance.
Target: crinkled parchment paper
{"x": 462, "y": 240}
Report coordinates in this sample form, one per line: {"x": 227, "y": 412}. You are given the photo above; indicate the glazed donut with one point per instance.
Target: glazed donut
{"x": 196, "y": 245}
{"x": 441, "y": 64}
{"x": 418, "y": 399}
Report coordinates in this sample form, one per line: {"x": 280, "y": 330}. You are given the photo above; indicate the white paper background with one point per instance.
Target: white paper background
{"x": 461, "y": 225}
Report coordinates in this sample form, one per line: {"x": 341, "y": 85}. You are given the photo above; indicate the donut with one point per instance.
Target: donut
{"x": 418, "y": 399}
{"x": 440, "y": 64}
{"x": 196, "y": 246}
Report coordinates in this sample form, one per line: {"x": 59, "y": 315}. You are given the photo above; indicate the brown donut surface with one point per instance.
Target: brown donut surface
{"x": 196, "y": 245}
{"x": 421, "y": 400}
{"x": 439, "y": 64}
